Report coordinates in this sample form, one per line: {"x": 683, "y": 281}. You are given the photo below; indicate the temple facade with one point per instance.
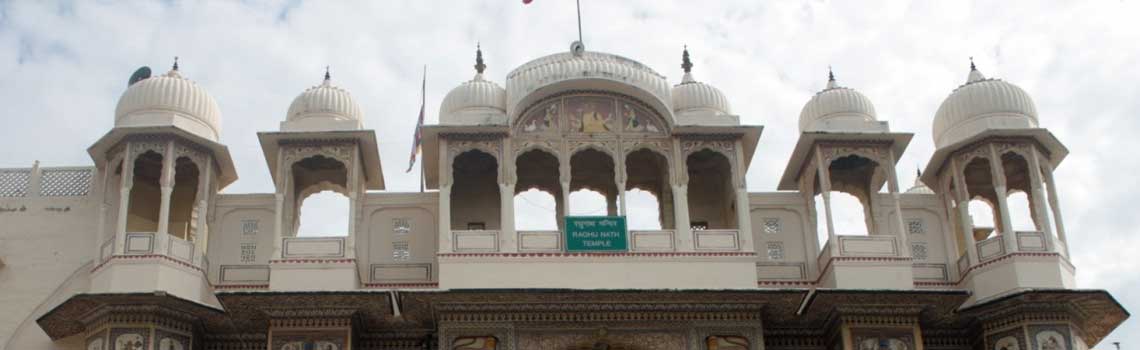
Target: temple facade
{"x": 144, "y": 250}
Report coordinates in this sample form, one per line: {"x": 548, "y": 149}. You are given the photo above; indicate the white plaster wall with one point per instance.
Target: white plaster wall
{"x": 799, "y": 245}
{"x": 227, "y": 237}
{"x": 378, "y": 236}
{"x": 41, "y": 248}
{"x": 611, "y": 274}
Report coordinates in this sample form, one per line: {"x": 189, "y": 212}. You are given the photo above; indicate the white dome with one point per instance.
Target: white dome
{"x": 919, "y": 186}
{"x": 633, "y": 78}
{"x": 839, "y": 109}
{"x": 170, "y": 100}
{"x": 475, "y": 102}
{"x": 694, "y": 97}
{"x": 323, "y": 107}
{"x": 982, "y": 104}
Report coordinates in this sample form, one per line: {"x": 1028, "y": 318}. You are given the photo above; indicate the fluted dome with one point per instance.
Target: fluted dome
{"x": 323, "y": 107}
{"x": 169, "y": 100}
{"x": 982, "y": 104}
{"x": 919, "y": 186}
{"x": 475, "y": 102}
{"x": 695, "y": 99}
{"x": 585, "y": 70}
{"x": 839, "y": 109}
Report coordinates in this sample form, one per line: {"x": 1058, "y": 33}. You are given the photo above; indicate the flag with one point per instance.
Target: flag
{"x": 419, "y": 124}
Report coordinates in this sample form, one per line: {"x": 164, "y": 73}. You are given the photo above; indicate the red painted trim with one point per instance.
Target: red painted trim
{"x": 242, "y": 286}
{"x": 146, "y": 256}
{"x": 783, "y": 283}
{"x": 421, "y": 285}
{"x": 594, "y": 254}
{"x": 313, "y": 261}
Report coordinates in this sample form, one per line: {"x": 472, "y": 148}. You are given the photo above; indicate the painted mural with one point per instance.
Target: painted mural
{"x": 130, "y": 341}
{"x": 590, "y": 114}
{"x": 475, "y": 343}
{"x": 727, "y": 342}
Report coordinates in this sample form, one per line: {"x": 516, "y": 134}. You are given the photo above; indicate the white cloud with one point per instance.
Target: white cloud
{"x": 64, "y": 65}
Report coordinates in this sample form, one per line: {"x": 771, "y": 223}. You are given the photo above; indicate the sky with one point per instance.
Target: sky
{"x": 64, "y": 64}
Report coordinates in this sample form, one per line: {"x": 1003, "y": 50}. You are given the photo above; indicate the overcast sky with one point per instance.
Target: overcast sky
{"x": 64, "y": 65}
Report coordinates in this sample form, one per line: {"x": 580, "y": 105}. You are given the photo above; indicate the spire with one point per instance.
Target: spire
{"x": 479, "y": 66}
{"x": 686, "y": 64}
{"x": 327, "y": 75}
{"x": 831, "y": 84}
{"x": 175, "y": 67}
{"x": 975, "y": 75}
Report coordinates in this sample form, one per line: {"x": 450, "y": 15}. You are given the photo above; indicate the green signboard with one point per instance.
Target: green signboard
{"x": 596, "y": 233}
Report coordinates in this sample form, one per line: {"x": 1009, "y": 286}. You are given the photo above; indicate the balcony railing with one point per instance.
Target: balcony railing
{"x": 653, "y": 241}
{"x": 860, "y": 246}
{"x": 540, "y": 241}
{"x": 475, "y": 240}
{"x": 313, "y": 247}
{"x": 144, "y": 243}
{"x": 550, "y": 241}
{"x": 717, "y": 239}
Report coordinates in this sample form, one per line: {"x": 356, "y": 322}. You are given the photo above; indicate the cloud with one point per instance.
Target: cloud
{"x": 65, "y": 64}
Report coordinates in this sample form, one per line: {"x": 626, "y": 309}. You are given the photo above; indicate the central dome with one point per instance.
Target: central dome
{"x": 584, "y": 70}
{"x": 323, "y": 107}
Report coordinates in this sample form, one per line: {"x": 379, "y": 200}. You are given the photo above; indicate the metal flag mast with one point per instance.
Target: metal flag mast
{"x": 578, "y": 3}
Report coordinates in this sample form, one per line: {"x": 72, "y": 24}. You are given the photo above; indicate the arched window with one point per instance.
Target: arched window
{"x": 592, "y": 171}
{"x": 535, "y": 210}
{"x": 146, "y": 193}
{"x": 643, "y": 210}
{"x": 711, "y": 196}
{"x": 475, "y": 197}
{"x": 1019, "y": 213}
{"x": 649, "y": 197}
{"x": 183, "y": 206}
{"x": 538, "y": 192}
{"x": 323, "y": 214}
{"x": 982, "y": 216}
{"x": 848, "y": 214}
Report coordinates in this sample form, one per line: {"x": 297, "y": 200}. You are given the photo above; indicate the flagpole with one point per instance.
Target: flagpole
{"x": 423, "y": 102}
{"x": 579, "y": 5}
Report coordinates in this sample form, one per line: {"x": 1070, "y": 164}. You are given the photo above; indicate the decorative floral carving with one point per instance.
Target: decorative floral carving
{"x": 339, "y": 151}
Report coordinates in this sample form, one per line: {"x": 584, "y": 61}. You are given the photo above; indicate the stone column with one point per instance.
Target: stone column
{"x": 825, "y": 190}
{"x": 743, "y": 205}
{"x": 893, "y": 187}
{"x": 354, "y": 191}
{"x": 997, "y": 171}
{"x": 611, "y": 204}
{"x": 1055, "y": 205}
{"x": 684, "y": 232}
{"x": 445, "y": 244}
{"x": 127, "y": 181}
{"x": 962, "y": 198}
{"x": 166, "y": 186}
{"x": 1040, "y": 214}
{"x": 508, "y": 238}
{"x": 279, "y": 205}
{"x": 201, "y": 235}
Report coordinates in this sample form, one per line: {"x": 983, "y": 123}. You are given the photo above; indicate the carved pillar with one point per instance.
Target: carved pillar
{"x": 127, "y": 181}
{"x": 166, "y": 185}
{"x": 743, "y": 206}
{"x": 963, "y": 204}
{"x": 507, "y": 236}
{"x": 1009, "y": 237}
{"x": 444, "y": 198}
{"x": 1055, "y": 205}
{"x": 354, "y": 190}
{"x": 1038, "y": 199}
{"x": 279, "y": 204}
{"x": 681, "y": 212}
{"x": 201, "y": 234}
{"x": 612, "y": 204}
{"x": 893, "y": 187}
{"x": 825, "y": 190}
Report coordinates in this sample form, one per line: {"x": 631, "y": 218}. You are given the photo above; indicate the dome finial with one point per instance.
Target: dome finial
{"x": 479, "y": 66}
{"x": 975, "y": 75}
{"x": 686, "y": 64}
{"x": 831, "y": 84}
{"x": 175, "y": 67}
{"x": 327, "y": 75}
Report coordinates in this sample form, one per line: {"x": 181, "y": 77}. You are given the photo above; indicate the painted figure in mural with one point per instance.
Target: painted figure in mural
{"x": 1050, "y": 340}
{"x": 593, "y": 120}
{"x": 1007, "y": 343}
{"x": 475, "y": 343}
{"x": 546, "y": 122}
{"x": 727, "y": 343}
{"x": 96, "y": 344}
{"x": 129, "y": 342}
{"x": 169, "y": 344}
{"x": 634, "y": 121}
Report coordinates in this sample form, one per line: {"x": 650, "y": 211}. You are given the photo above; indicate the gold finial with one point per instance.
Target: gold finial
{"x": 686, "y": 64}
{"x": 479, "y": 66}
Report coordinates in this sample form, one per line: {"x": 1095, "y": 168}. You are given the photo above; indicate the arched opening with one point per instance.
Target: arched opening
{"x": 649, "y": 198}
{"x": 1019, "y": 213}
{"x": 146, "y": 193}
{"x": 538, "y": 193}
{"x": 982, "y": 216}
{"x": 475, "y": 197}
{"x": 643, "y": 210}
{"x": 593, "y": 171}
{"x": 1019, "y": 198}
{"x": 323, "y": 214}
{"x": 535, "y": 211}
{"x": 711, "y": 194}
{"x": 183, "y": 208}
{"x": 848, "y": 214}
{"x": 586, "y": 202}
